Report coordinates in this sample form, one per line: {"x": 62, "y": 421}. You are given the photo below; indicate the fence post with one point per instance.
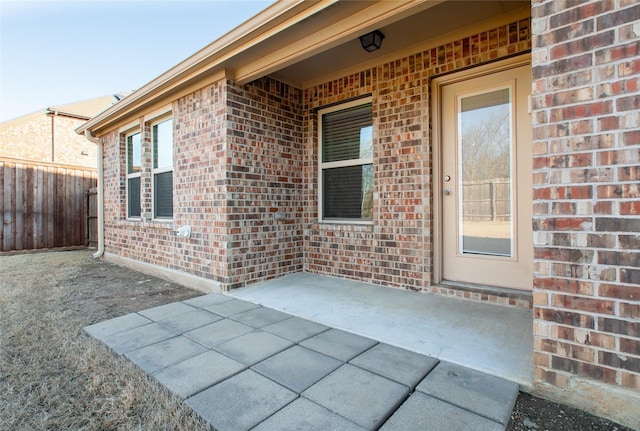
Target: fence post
{"x": 492, "y": 196}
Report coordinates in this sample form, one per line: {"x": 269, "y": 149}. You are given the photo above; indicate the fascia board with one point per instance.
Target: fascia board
{"x": 272, "y": 20}
{"x": 57, "y": 113}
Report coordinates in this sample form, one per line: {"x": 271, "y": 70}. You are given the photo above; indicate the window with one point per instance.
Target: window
{"x": 162, "y": 138}
{"x": 346, "y": 163}
{"x": 134, "y": 169}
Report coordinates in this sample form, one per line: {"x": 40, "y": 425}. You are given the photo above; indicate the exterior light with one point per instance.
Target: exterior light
{"x": 372, "y": 41}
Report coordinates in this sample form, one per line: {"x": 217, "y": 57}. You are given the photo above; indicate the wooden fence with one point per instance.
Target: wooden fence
{"x": 488, "y": 200}
{"x": 43, "y": 205}
{"x": 92, "y": 217}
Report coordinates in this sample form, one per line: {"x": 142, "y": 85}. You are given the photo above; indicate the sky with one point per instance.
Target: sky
{"x": 61, "y": 51}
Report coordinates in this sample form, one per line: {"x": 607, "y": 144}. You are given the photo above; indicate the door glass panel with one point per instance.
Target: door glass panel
{"x": 485, "y": 148}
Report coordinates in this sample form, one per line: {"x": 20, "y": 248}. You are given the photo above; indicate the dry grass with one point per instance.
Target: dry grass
{"x": 53, "y": 375}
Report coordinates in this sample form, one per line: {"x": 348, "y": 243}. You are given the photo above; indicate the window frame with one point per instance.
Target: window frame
{"x": 161, "y": 170}
{"x": 129, "y": 176}
{"x": 322, "y": 166}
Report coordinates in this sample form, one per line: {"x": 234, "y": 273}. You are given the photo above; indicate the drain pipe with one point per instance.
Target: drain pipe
{"x": 89, "y": 136}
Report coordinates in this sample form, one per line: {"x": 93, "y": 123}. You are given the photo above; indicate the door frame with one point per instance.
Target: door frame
{"x": 436, "y": 126}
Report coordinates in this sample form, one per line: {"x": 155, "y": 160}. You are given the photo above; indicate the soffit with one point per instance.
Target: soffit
{"x": 301, "y": 42}
{"x": 417, "y": 29}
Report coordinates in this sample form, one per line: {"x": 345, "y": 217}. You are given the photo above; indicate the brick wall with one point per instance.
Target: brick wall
{"x": 397, "y": 249}
{"x": 237, "y": 164}
{"x": 199, "y": 191}
{"x": 245, "y": 177}
{"x": 586, "y": 71}
{"x": 200, "y": 199}
{"x": 264, "y": 181}
{"x": 30, "y": 137}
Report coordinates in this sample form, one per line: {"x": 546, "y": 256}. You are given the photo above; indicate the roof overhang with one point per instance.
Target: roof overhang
{"x": 55, "y": 112}
{"x": 301, "y": 42}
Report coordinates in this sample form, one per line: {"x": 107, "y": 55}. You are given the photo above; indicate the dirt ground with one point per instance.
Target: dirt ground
{"x": 54, "y": 376}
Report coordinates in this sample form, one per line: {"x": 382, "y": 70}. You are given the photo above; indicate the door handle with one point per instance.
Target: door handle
{"x": 447, "y": 192}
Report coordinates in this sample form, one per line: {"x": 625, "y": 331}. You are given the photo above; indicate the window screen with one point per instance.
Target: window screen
{"x": 163, "y": 194}
{"x": 134, "y": 169}
{"x": 347, "y": 167}
{"x": 133, "y": 194}
{"x": 162, "y": 136}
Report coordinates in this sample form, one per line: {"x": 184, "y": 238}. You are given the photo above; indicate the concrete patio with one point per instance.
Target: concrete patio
{"x": 242, "y": 366}
{"x": 494, "y": 339}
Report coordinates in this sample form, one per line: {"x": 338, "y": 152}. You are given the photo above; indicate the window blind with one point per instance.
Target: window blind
{"x": 133, "y": 190}
{"x": 342, "y": 134}
{"x": 347, "y": 171}
{"x": 163, "y": 195}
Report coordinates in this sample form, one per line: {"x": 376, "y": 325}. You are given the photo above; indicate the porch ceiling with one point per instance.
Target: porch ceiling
{"x": 304, "y": 42}
{"x": 413, "y": 28}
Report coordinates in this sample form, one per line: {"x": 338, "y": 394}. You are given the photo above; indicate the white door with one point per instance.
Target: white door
{"x": 486, "y": 185}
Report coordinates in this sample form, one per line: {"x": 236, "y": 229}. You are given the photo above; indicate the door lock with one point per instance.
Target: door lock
{"x": 447, "y": 178}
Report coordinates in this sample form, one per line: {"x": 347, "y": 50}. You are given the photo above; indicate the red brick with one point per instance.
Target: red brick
{"x": 569, "y": 160}
{"x": 564, "y": 317}
{"x": 584, "y": 44}
{"x": 564, "y": 285}
{"x": 560, "y": 67}
{"x": 617, "y": 157}
{"x": 617, "y": 326}
{"x": 629, "y": 293}
{"x": 603, "y": 207}
{"x": 620, "y": 191}
{"x": 564, "y": 254}
{"x": 577, "y": 14}
{"x": 630, "y": 208}
{"x": 629, "y": 68}
{"x": 629, "y": 173}
{"x": 630, "y": 275}
{"x": 629, "y": 380}
{"x": 574, "y": 351}
{"x": 606, "y": 224}
{"x": 631, "y": 138}
{"x": 560, "y": 224}
{"x": 596, "y": 339}
{"x": 541, "y": 359}
{"x": 628, "y": 103}
{"x": 619, "y": 17}
{"x": 562, "y": 332}
{"x": 617, "y": 361}
{"x": 619, "y": 258}
{"x": 630, "y": 242}
{"x": 583, "y": 369}
{"x": 552, "y": 377}
{"x": 608, "y": 123}
{"x": 631, "y": 346}
{"x": 578, "y": 303}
